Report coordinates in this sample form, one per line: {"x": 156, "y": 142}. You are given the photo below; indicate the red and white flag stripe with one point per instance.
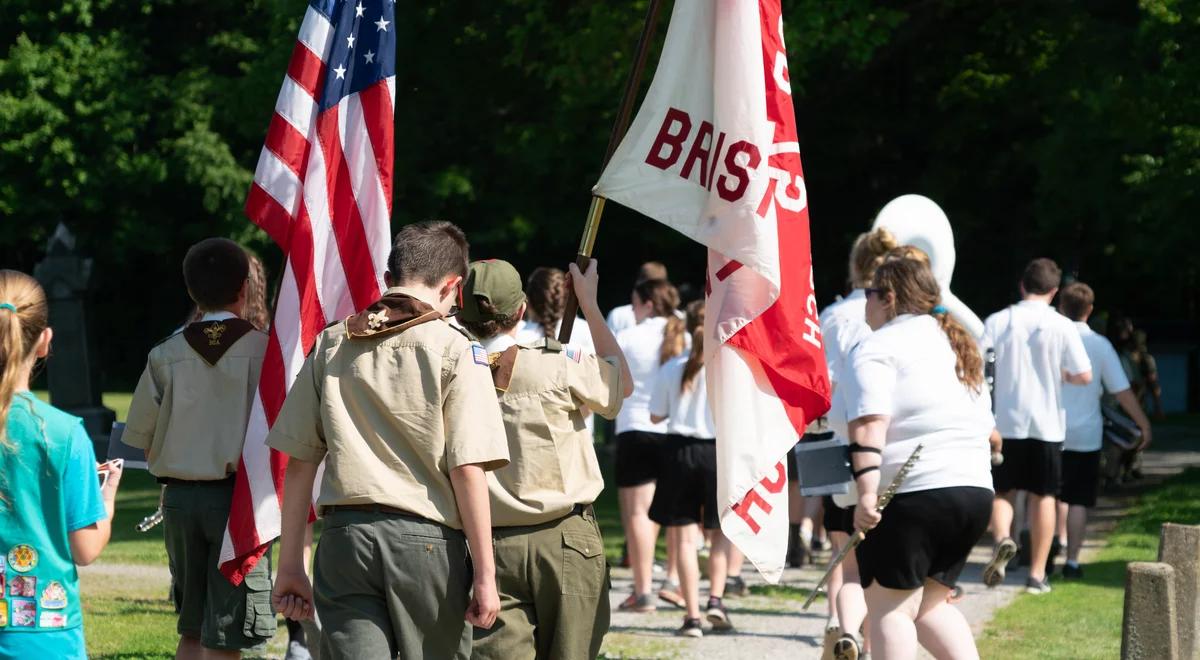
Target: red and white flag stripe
{"x": 323, "y": 191}
{"x": 713, "y": 153}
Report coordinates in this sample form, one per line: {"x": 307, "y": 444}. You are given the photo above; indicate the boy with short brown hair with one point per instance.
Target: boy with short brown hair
{"x": 189, "y": 413}
{"x": 400, "y": 407}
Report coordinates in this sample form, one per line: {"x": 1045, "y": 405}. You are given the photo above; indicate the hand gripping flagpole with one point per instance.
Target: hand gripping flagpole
{"x": 859, "y": 534}
{"x": 592, "y": 226}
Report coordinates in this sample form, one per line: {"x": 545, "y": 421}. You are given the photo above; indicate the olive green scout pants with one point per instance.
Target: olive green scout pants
{"x": 553, "y": 583}
{"x": 389, "y": 585}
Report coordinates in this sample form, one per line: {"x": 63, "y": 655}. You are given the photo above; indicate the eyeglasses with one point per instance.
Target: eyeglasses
{"x": 872, "y": 291}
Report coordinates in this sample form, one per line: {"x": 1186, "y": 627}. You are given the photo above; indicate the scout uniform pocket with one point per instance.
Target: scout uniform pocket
{"x": 260, "y": 619}
{"x": 583, "y": 564}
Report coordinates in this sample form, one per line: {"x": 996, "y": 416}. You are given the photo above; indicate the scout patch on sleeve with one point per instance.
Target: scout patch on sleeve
{"x": 480, "y": 355}
{"x": 24, "y": 613}
{"x": 52, "y": 620}
{"x": 22, "y": 558}
{"x": 573, "y": 353}
{"x": 54, "y": 596}
{"x": 24, "y": 586}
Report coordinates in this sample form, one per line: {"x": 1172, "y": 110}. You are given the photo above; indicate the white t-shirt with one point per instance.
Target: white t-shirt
{"x": 1034, "y": 345}
{"x": 687, "y": 411}
{"x": 641, "y": 344}
{"x": 621, "y": 318}
{"x": 905, "y": 370}
{"x": 843, "y": 326}
{"x": 1085, "y": 425}
{"x": 530, "y": 333}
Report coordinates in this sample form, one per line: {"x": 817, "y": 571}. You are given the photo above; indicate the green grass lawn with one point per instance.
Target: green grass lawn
{"x": 1082, "y": 619}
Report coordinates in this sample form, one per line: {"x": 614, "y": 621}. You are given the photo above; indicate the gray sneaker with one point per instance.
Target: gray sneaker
{"x": 638, "y": 603}
{"x": 993, "y": 573}
{"x": 1037, "y": 587}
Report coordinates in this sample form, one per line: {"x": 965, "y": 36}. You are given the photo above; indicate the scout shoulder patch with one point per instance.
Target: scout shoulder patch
{"x": 479, "y": 355}
{"x": 391, "y": 314}
{"x": 502, "y": 365}
{"x": 572, "y": 353}
{"x": 211, "y": 339}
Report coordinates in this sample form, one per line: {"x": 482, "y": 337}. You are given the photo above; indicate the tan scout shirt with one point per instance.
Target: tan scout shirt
{"x": 193, "y": 400}
{"x": 393, "y": 410}
{"x": 554, "y": 464}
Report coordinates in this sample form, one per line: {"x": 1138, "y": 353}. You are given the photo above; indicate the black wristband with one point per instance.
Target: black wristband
{"x": 859, "y": 473}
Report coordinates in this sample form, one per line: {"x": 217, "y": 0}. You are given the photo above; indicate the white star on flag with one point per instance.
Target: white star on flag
{"x": 350, "y": 41}
{"x": 340, "y": 71}
{"x": 369, "y": 57}
{"x": 381, "y": 24}
{"x": 358, "y": 10}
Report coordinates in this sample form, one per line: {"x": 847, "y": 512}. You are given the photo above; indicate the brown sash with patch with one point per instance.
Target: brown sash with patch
{"x": 210, "y": 339}
{"x": 391, "y": 314}
{"x": 502, "y": 365}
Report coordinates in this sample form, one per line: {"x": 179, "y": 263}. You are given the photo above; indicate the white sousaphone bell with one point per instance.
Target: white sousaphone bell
{"x": 917, "y": 220}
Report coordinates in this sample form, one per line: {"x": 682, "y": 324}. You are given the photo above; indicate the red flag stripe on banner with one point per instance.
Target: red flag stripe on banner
{"x": 322, "y": 191}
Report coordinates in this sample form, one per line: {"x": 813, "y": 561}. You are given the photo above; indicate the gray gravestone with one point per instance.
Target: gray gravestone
{"x": 1149, "y": 631}
{"x": 72, "y": 368}
{"x": 1179, "y": 546}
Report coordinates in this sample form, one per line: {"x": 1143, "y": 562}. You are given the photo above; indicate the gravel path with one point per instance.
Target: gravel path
{"x": 776, "y": 627}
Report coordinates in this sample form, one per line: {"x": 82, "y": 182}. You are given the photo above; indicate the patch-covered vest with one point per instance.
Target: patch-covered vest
{"x": 37, "y": 574}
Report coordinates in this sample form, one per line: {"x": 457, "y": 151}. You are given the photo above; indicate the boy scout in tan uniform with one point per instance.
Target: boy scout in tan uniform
{"x": 400, "y": 407}
{"x": 550, "y": 564}
{"x": 189, "y": 412}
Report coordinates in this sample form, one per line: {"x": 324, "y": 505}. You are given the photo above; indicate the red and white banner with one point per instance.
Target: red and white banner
{"x": 323, "y": 192}
{"x": 713, "y": 153}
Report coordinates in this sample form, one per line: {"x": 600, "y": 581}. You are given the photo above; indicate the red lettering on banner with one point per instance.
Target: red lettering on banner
{"x": 738, "y": 170}
{"x": 672, "y": 139}
{"x": 699, "y": 152}
{"x": 744, "y": 509}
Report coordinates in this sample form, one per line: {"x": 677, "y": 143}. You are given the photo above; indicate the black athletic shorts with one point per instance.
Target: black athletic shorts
{"x": 1031, "y": 465}
{"x": 926, "y": 534}
{"x": 837, "y": 519}
{"x": 1080, "y": 477}
{"x": 639, "y": 455}
{"x": 686, "y": 492}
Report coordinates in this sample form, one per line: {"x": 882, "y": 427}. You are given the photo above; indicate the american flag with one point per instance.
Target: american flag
{"x": 323, "y": 192}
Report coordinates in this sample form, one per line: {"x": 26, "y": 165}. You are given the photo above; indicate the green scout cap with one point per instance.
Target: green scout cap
{"x": 499, "y": 283}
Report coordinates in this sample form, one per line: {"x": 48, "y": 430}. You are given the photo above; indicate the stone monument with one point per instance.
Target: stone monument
{"x": 72, "y": 368}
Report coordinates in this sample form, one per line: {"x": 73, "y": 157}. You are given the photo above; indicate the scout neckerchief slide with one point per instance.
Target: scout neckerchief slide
{"x": 859, "y": 534}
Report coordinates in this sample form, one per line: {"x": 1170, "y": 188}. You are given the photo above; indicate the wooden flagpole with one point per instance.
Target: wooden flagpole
{"x": 592, "y": 225}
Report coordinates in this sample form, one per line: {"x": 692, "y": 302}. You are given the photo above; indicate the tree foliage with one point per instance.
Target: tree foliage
{"x": 1059, "y": 129}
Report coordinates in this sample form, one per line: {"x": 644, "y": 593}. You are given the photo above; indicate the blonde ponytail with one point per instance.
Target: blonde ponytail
{"x": 868, "y": 253}
{"x": 23, "y": 318}
{"x": 673, "y": 339}
{"x": 695, "y": 362}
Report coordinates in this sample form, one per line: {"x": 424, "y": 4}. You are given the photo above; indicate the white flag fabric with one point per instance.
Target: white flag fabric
{"x": 713, "y": 153}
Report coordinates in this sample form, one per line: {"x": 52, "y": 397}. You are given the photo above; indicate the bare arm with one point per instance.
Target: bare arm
{"x": 1078, "y": 379}
{"x": 1130, "y": 405}
{"x": 606, "y": 344}
{"x": 292, "y": 595}
{"x": 88, "y": 542}
{"x": 868, "y": 431}
{"x": 474, "y": 507}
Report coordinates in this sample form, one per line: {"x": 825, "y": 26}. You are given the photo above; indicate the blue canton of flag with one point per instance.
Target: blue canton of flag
{"x": 363, "y": 49}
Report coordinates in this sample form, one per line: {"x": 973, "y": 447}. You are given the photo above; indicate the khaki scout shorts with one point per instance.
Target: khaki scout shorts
{"x": 220, "y": 615}
{"x": 389, "y": 584}
{"x": 553, "y": 583}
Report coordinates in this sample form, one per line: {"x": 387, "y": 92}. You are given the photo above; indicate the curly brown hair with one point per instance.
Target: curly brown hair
{"x": 488, "y": 329}
{"x": 917, "y": 292}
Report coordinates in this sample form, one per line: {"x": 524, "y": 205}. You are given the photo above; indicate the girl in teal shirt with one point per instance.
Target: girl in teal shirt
{"x": 53, "y": 513}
